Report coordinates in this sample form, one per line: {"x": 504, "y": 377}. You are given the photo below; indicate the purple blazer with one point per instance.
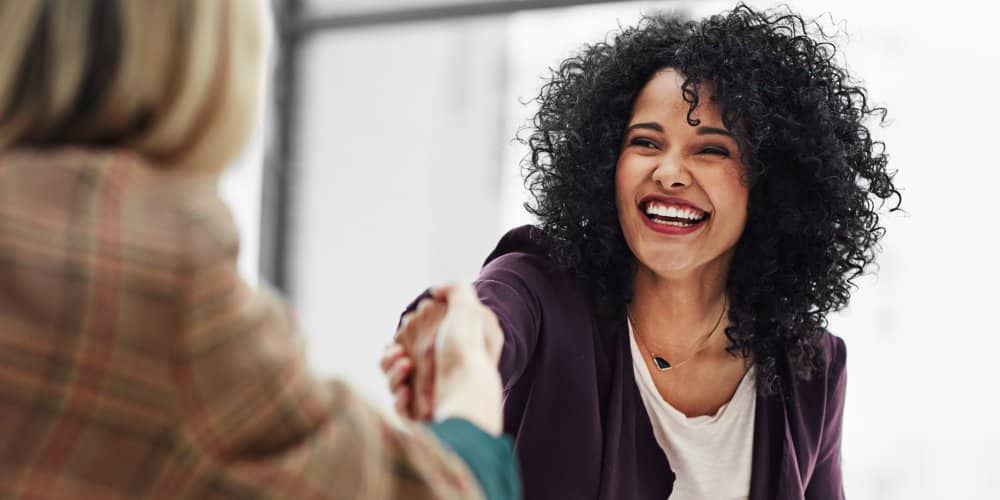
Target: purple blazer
{"x": 571, "y": 402}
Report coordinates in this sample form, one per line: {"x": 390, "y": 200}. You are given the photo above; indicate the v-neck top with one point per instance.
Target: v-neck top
{"x": 711, "y": 455}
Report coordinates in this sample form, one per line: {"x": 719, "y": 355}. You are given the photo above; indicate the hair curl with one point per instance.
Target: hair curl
{"x": 813, "y": 170}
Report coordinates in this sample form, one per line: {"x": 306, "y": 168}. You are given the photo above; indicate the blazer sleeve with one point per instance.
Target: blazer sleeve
{"x": 512, "y": 286}
{"x": 257, "y": 424}
{"x": 826, "y": 482}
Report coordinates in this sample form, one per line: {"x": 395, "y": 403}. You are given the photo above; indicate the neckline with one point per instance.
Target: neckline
{"x": 647, "y": 385}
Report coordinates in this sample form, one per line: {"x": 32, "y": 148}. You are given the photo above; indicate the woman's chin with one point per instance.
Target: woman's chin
{"x": 669, "y": 266}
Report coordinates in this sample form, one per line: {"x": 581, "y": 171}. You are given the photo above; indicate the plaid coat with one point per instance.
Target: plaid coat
{"x": 135, "y": 363}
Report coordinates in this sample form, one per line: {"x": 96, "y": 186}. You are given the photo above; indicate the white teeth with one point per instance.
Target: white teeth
{"x": 654, "y": 208}
{"x": 672, "y": 223}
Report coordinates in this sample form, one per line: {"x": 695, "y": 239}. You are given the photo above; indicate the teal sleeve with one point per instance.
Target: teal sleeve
{"x": 491, "y": 459}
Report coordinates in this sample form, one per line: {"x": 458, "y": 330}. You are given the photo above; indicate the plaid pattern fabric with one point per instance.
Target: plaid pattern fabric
{"x": 134, "y": 362}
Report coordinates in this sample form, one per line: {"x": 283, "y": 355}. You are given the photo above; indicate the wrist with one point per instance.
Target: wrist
{"x": 472, "y": 393}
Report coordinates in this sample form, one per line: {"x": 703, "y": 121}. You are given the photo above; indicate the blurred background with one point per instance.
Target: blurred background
{"x": 386, "y": 163}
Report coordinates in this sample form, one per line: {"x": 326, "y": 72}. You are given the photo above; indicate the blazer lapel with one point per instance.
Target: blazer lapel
{"x": 634, "y": 464}
{"x": 769, "y": 448}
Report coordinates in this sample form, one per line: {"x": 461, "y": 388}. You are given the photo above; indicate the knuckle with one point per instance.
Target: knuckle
{"x": 404, "y": 321}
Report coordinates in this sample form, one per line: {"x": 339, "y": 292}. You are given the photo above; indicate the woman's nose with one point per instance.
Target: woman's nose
{"x": 671, "y": 173}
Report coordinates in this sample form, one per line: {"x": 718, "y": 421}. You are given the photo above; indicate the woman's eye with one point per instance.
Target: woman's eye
{"x": 645, "y": 143}
{"x": 712, "y": 150}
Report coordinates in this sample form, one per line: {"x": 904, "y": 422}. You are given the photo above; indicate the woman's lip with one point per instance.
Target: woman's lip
{"x": 669, "y": 200}
{"x": 669, "y": 229}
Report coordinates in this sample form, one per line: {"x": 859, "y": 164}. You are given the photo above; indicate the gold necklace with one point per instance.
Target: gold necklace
{"x": 660, "y": 362}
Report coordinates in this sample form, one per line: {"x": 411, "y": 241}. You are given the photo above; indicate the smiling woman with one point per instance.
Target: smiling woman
{"x": 677, "y": 179}
{"x": 707, "y": 194}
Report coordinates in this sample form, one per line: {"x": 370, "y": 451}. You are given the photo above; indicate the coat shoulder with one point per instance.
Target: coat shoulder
{"x": 523, "y": 258}
{"x": 834, "y": 355}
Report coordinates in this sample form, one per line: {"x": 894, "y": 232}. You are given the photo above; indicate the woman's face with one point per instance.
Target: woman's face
{"x": 681, "y": 201}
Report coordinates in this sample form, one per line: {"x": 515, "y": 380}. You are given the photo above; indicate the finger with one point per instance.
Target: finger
{"x": 404, "y": 321}
{"x": 400, "y": 373}
{"x": 427, "y": 406}
{"x": 422, "y": 332}
{"x": 424, "y": 304}
{"x": 423, "y": 381}
{"x": 390, "y": 355}
{"x": 461, "y": 294}
{"x": 441, "y": 292}
{"x": 403, "y": 402}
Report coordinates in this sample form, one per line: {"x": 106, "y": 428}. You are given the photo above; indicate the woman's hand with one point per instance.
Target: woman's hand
{"x": 409, "y": 363}
{"x": 445, "y": 357}
{"x": 397, "y": 365}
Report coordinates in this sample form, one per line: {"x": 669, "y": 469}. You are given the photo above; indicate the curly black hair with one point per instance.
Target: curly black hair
{"x": 813, "y": 170}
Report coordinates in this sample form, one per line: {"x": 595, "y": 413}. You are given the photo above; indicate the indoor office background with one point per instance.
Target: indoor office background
{"x": 386, "y": 163}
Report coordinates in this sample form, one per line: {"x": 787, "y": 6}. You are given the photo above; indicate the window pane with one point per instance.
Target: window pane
{"x": 398, "y": 152}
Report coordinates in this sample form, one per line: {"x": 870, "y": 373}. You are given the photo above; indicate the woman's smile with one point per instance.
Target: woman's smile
{"x": 674, "y": 216}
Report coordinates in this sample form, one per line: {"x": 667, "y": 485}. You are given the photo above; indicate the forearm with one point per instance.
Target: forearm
{"x": 470, "y": 389}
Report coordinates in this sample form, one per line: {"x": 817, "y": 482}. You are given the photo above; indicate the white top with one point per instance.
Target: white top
{"x": 711, "y": 455}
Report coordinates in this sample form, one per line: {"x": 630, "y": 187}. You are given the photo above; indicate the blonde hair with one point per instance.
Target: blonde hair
{"x": 177, "y": 81}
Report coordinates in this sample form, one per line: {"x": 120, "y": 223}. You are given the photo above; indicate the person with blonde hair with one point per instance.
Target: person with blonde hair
{"x": 134, "y": 361}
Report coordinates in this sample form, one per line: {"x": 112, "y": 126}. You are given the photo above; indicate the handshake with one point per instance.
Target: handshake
{"x": 443, "y": 363}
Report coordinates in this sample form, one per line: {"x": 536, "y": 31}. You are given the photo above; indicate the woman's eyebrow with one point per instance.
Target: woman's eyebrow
{"x": 713, "y": 130}
{"x": 645, "y": 125}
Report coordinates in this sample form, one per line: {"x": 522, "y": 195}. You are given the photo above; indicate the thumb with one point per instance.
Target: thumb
{"x": 455, "y": 293}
